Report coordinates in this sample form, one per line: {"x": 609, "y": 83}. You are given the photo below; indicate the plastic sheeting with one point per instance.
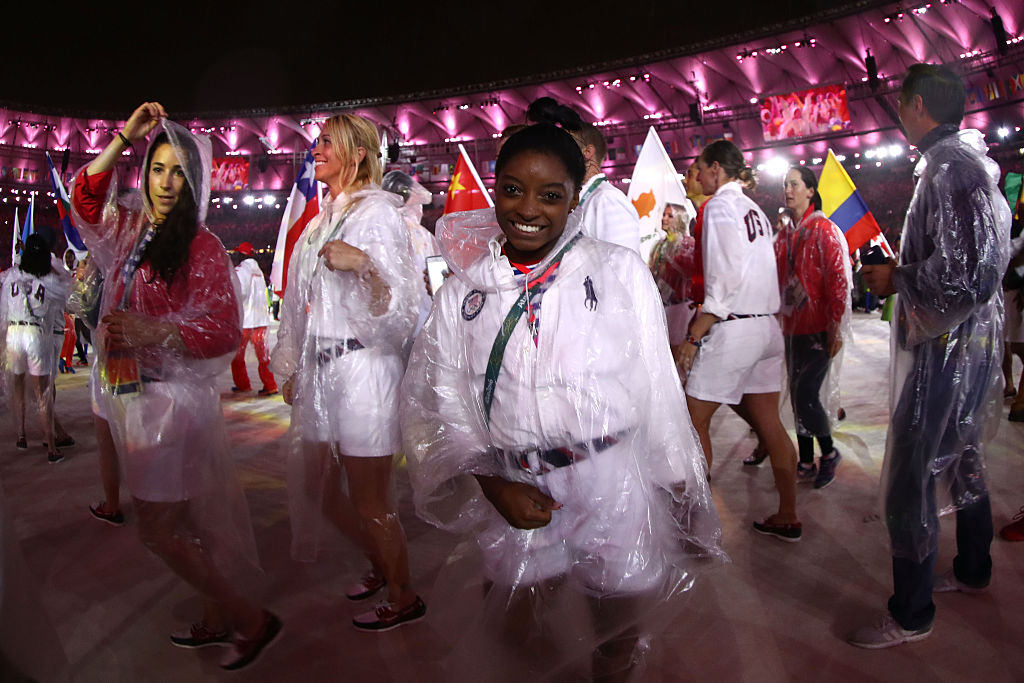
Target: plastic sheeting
{"x": 592, "y": 414}
{"x": 162, "y": 403}
{"x": 672, "y": 265}
{"x": 422, "y": 240}
{"x": 253, "y": 292}
{"x": 815, "y": 287}
{"x": 946, "y": 341}
{"x": 345, "y": 360}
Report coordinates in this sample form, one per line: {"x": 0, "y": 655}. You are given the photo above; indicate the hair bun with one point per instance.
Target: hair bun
{"x": 547, "y": 110}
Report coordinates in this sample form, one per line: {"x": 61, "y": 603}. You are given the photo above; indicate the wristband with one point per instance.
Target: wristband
{"x": 690, "y": 339}
{"x": 124, "y": 140}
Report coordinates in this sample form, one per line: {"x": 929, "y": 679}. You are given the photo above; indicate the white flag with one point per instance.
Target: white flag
{"x": 655, "y": 183}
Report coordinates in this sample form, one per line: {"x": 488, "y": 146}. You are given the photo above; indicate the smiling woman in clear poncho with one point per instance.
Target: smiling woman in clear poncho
{"x": 346, "y": 320}
{"x": 542, "y": 417}
{"x": 170, "y": 321}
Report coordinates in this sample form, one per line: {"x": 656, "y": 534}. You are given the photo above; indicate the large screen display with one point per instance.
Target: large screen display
{"x": 815, "y": 111}
{"x": 230, "y": 173}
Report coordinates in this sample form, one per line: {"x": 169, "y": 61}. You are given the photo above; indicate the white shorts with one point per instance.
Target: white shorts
{"x": 28, "y": 351}
{"x": 355, "y": 403}
{"x": 165, "y": 436}
{"x": 738, "y": 357}
{"x": 1014, "y": 320}
{"x": 602, "y": 535}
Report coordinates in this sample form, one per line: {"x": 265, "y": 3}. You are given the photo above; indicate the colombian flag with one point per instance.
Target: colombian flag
{"x": 842, "y": 203}
{"x": 466, "y": 192}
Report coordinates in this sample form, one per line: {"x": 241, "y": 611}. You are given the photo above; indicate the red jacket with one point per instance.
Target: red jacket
{"x": 811, "y": 254}
{"x": 200, "y": 300}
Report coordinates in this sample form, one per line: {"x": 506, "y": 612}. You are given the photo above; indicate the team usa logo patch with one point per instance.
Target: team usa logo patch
{"x": 473, "y": 304}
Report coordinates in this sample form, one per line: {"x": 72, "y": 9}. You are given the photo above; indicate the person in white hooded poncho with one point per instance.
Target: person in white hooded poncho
{"x": 252, "y": 288}
{"x": 423, "y": 243}
{"x": 170, "y": 321}
{"x": 347, "y": 317}
{"x": 555, "y": 433}
{"x": 946, "y": 347}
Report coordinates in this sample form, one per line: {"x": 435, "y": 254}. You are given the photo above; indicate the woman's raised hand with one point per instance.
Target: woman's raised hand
{"x": 143, "y": 119}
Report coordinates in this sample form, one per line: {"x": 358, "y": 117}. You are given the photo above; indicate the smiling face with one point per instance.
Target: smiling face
{"x": 533, "y": 196}
{"x": 327, "y": 164}
{"x": 798, "y": 195}
{"x": 166, "y": 180}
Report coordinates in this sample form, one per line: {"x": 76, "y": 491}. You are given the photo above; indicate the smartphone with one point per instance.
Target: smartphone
{"x": 437, "y": 271}
{"x": 874, "y": 256}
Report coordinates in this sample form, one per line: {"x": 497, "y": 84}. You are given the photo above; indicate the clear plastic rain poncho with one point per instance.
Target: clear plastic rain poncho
{"x": 947, "y": 341}
{"x": 162, "y": 404}
{"x": 672, "y": 265}
{"x": 588, "y": 408}
{"x": 422, "y": 241}
{"x": 345, "y": 355}
{"x": 815, "y": 288}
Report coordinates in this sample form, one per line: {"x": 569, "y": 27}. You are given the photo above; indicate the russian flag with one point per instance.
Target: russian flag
{"x": 303, "y": 204}
{"x": 842, "y": 204}
{"x": 63, "y": 210}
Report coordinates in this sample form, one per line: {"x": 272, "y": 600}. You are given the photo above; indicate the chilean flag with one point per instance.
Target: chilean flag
{"x": 303, "y": 204}
{"x": 466, "y": 192}
{"x": 842, "y": 204}
{"x": 63, "y": 209}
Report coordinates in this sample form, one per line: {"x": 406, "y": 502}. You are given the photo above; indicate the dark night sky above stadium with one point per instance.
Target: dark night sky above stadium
{"x": 215, "y": 56}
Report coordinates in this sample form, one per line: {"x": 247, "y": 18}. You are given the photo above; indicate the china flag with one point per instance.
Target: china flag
{"x": 466, "y": 192}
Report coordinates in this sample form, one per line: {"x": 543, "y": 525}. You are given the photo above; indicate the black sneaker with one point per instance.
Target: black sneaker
{"x": 21, "y": 443}
{"x": 827, "y": 469}
{"x": 244, "y": 651}
{"x": 790, "y": 533}
{"x": 111, "y": 518}
{"x": 757, "y": 457}
{"x": 197, "y": 635}
{"x": 54, "y": 456}
{"x": 65, "y": 442}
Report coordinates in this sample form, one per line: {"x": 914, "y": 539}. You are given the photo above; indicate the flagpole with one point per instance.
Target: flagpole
{"x": 15, "y": 234}
{"x": 476, "y": 177}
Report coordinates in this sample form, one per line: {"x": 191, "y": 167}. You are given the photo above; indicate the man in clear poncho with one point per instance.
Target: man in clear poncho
{"x": 586, "y": 415}
{"x": 946, "y": 350}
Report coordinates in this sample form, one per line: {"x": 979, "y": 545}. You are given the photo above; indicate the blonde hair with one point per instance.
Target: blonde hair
{"x": 349, "y": 132}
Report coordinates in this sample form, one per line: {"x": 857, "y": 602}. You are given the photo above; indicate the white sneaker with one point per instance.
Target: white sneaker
{"x": 948, "y": 583}
{"x": 886, "y": 632}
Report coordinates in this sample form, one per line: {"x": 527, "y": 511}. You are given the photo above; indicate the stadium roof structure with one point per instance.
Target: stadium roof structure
{"x": 706, "y": 88}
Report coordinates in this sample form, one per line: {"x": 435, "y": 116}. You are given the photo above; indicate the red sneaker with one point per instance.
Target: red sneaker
{"x": 367, "y": 587}
{"x": 385, "y": 617}
{"x": 1015, "y": 530}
